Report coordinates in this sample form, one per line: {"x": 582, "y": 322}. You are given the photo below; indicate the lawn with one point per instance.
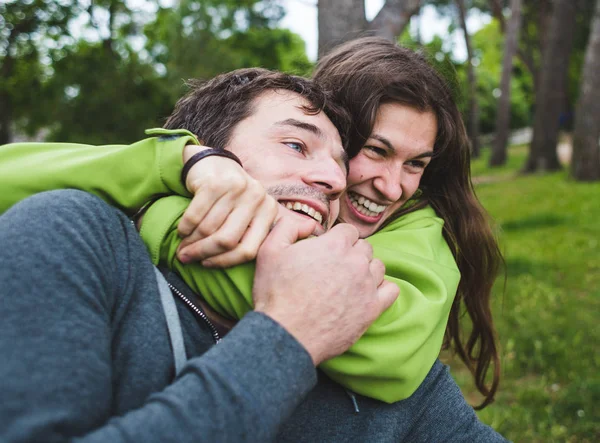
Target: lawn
{"x": 547, "y": 315}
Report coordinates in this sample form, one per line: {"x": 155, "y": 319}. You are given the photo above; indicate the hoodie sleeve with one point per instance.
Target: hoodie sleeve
{"x": 392, "y": 358}
{"x": 125, "y": 176}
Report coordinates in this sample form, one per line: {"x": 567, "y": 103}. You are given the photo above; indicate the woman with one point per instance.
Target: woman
{"x": 368, "y": 75}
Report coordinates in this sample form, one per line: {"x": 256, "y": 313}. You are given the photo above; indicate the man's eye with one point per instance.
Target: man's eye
{"x": 295, "y": 146}
{"x": 375, "y": 150}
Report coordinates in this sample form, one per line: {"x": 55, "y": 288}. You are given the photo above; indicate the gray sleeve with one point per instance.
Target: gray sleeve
{"x": 66, "y": 258}
{"x": 241, "y": 390}
{"x": 445, "y": 416}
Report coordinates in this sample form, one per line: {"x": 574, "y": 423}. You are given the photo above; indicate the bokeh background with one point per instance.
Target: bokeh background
{"x": 526, "y": 74}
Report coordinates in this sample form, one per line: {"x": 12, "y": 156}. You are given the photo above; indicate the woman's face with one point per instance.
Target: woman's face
{"x": 388, "y": 169}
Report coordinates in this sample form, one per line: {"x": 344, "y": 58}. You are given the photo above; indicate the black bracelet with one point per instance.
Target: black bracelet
{"x": 203, "y": 154}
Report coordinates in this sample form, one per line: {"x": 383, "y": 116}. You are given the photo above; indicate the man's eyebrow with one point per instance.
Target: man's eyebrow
{"x": 389, "y": 145}
{"x": 301, "y": 125}
{"x": 317, "y": 131}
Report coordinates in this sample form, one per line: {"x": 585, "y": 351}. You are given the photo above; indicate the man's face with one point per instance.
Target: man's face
{"x": 297, "y": 157}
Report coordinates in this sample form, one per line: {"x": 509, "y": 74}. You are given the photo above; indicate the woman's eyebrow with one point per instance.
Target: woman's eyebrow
{"x": 389, "y": 145}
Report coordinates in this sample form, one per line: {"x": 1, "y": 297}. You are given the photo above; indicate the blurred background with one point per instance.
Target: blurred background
{"x": 526, "y": 74}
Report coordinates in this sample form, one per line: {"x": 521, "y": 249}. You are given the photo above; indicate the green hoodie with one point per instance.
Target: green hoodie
{"x": 387, "y": 363}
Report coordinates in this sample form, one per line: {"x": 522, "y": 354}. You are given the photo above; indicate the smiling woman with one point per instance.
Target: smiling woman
{"x": 402, "y": 110}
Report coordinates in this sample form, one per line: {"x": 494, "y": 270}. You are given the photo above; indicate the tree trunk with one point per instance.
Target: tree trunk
{"x": 552, "y": 88}
{"x": 393, "y": 18}
{"x": 5, "y": 119}
{"x": 585, "y": 163}
{"x": 511, "y": 41}
{"x": 339, "y": 21}
{"x": 473, "y": 104}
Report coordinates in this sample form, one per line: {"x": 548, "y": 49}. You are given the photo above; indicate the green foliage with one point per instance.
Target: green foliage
{"x": 100, "y": 87}
{"x": 547, "y": 315}
{"x": 104, "y": 97}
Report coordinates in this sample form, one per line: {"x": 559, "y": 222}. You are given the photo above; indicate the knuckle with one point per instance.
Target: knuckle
{"x": 246, "y": 253}
{"x": 237, "y": 182}
{"x": 225, "y": 242}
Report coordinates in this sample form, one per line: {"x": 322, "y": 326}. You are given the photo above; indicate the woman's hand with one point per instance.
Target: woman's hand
{"x": 229, "y": 216}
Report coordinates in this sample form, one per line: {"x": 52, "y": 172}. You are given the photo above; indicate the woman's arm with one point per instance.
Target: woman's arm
{"x": 126, "y": 176}
{"x": 392, "y": 358}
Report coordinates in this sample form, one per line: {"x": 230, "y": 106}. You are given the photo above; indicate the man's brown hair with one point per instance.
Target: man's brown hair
{"x": 212, "y": 109}
{"x": 368, "y": 72}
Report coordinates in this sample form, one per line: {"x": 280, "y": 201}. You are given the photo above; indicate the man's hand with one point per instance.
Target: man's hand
{"x": 325, "y": 291}
{"x": 229, "y": 216}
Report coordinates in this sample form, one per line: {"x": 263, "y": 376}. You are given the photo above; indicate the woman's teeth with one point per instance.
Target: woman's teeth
{"x": 297, "y": 206}
{"x": 365, "y": 206}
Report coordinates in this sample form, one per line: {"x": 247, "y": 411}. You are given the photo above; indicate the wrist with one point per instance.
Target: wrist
{"x": 298, "y": 330}
{"x": 199, "y": 155}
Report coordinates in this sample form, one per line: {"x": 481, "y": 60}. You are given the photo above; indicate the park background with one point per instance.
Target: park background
{"x": 526, "y": 74}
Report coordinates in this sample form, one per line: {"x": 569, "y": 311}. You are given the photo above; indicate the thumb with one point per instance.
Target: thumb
{"x": 387, "y": 292}
{"x": 288, "y": 231}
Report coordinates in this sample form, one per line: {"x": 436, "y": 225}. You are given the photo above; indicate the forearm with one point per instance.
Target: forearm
{"x": 125, "y": 176}
{"x": 232, "y": 393}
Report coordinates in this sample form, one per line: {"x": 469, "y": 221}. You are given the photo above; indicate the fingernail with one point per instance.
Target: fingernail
{"x": 184, "y": 258}
{"x": 207, "y": 264}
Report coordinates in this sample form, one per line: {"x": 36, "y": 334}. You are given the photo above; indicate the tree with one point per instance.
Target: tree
{"x": 498, "y": 156}
{"x": 23, "y": 26}
{"x": 342, "y": 20}
{"x": 472, "y": 78}
{"x": 551, "y": 91}
{"x": 585, "y": 163}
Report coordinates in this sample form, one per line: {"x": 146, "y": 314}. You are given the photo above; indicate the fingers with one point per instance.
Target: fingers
{"x": 343, "y": 234}
{"x": 248, "y": 247}
{"x": 286, "y": 232}
{"x": 197, "y": 210}
{"x": 377, "y": 269}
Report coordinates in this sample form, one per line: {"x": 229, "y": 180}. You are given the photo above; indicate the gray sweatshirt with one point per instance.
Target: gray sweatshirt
{"x": 86, "y": 354}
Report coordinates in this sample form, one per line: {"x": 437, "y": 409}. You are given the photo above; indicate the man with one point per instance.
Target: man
{"x": 87, "y": 335}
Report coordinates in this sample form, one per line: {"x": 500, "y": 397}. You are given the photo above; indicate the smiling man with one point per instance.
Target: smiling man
{"x": 94, "y": 345}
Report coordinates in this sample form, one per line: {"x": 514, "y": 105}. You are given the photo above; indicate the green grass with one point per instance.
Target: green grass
{"x": 548, "y": 315}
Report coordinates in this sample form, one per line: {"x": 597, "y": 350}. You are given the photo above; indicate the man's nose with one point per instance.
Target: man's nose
{"x": 328, "y": 177}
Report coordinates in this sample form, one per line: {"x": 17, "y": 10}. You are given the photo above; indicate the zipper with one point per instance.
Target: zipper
{"x": 198, "y": 312}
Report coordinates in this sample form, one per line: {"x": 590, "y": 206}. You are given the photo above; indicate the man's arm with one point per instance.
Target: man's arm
{"x": 71, "y": 269}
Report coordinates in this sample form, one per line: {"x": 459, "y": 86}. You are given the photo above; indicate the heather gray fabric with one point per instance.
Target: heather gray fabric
{"x": 86, "y": 355}
{"x": 84, "y": 346}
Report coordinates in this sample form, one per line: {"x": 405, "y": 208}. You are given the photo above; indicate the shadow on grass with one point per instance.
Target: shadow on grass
{"x": 520, "y": 266}
{"x": 535, "y": 222}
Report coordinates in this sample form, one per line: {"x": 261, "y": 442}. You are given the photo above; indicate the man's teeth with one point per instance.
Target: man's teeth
{"x": 297, "y": 206}
{"x": 365, "y": 206}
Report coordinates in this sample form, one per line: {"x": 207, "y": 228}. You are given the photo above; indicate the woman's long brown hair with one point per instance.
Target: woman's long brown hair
{"x": 370, "y": 71}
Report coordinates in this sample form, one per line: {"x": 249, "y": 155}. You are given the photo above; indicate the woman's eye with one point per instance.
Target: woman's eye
{"x": 295, "y": 146}
{"x": 416, "y": 164}
{"x": 375, "y": 150}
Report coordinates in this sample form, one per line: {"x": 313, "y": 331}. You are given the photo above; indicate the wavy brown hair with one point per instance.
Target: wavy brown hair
{"x": 211, "y": 109}
{"x": 368, "y": 72}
